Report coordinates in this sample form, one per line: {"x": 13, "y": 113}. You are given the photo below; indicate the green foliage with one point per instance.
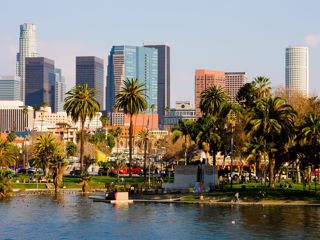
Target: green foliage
{"x": 81, "y": 104}
{"x": 5, "y": 183}
{"x": 9, "y": 152}
{"x": 11, "y": 136}
{"x": 212, "y": 100}
{"x": 131, "y": 100}
{"x": 71, "y": 148}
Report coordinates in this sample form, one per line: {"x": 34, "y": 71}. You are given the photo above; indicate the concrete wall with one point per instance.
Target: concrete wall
{"x": 185, "y": 177}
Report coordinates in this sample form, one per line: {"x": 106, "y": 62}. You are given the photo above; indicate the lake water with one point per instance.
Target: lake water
{"x": 77, "y": 217}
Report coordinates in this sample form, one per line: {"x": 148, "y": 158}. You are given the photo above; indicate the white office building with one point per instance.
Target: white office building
{"x": 297, "y": 71}
{"x": 27, "y": 48}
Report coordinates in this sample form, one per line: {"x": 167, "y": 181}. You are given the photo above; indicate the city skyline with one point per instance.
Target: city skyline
{"x": 245, "y": 41}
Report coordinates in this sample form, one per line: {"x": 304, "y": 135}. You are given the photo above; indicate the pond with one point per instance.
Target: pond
{"x": 78, "y": 217}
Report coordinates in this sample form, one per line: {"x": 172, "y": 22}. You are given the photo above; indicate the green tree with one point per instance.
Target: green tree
{"x": 212, "y": 100}
{"x": 11, "y": 136}
{"x": 9, "y": 153}
{"x": 210, "y": 131}
{"x": 247, "y": 95}
{"x": 43, "y": 151}
{"x": 81, "y": 104}
{"x": 273, "y": 119}
{"x": 144, "y": 136}
{"x": 71, "y": 148}
{"x": 262, "y": 87}
{"x": 131, "y": 100}
{"x": 185, "y": 130}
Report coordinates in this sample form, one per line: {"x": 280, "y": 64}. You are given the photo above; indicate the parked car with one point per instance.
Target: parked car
{"x": 31, "y": 171}
{"x": 75, "y": 172}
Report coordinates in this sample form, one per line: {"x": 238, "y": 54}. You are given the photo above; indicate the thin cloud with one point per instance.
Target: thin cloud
{"x": 312, "y": 40}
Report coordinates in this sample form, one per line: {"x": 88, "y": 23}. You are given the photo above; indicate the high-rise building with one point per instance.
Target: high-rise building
{"x": 163, "y": 79}
{"x": 59, "y": 90}
{"x": 9, "y": 88}
{"x": 297, "y": 71}
{"x": 27, "y": 48}
{"x": 126, "y": 62}
{"x": 205, "y": 79}
{"x": 89, "y": 70}
{"x": 13, "y": 116}
{"x": 234, "y": 81}
{"x": 40, "y": 81}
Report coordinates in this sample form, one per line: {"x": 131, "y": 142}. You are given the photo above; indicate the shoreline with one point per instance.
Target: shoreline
{"x": 96, "y": 196}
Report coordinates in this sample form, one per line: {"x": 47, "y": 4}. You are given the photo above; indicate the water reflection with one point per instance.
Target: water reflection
{"x": 75, "y": 216}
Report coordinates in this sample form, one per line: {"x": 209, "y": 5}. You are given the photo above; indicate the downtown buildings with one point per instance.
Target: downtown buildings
{"x": 9, "y": 88}
{"x": 40, "y": 82}
{"x": 297, "y": 71}
{"x": 230, "y": 82}
{"x": 27, "y": 48}
{"x": 163, "y": 79}
{"x": 89, "y": 70}
{"x": 126, "y": 62}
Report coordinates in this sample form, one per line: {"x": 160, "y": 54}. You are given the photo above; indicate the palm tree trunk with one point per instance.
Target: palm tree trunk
{"x": 130, "y": 145}
{"x": 145, "y": 161}
{"x": 117, "y": 160}
{"x": 271, "y": 173}
{"x": 82, "y": 148}
{"x": 55, "y": 180}
{"x": 185, "y": 149}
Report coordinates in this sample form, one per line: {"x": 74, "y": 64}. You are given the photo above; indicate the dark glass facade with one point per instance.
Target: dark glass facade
{"x": 89, "y": 70}
{"x": 39, "y": 81}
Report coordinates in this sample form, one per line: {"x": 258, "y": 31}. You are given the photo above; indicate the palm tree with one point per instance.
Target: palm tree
{"x": 131, "y": 100}
{"x": 212, "y": 100}
{"x": 262, "y": 86}
{"x": 8, "y": 153}
{"x": 273, "y": 119}
{"x": 184, "y": 129}
{"x": 57, "y": 165}
{"x": 152, "y": 107}
{"x": 144, "y": 136}
{"x": 43, "y": 151}
{"x": 117, "y": 133}
{"x": 105, "y": 121}
{"x": 309, "y": 140}
{"x": 81, "y": 104}
{"x": 209, "y": 131}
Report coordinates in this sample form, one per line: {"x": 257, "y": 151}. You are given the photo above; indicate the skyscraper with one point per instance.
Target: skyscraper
{"x": 27, "y": 48}
{"x": 234, "y": 81}
{"x": 163, "y": 79}
{"x": 297, "y": 71}
{"x": 59, "y": 91}
{"x": 89, "y": 70}
{"x": 126, "y": 62}
{"x": 205, "y": 79}
{"x": 40, "y": 80}
{"x": 9, "y": 88}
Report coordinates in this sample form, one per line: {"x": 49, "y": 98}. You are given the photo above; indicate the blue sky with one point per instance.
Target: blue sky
{"x": 229, "y": 35}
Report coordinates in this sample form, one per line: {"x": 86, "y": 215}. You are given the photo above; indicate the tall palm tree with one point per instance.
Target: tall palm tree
{"x": 212, "y": 100}
{"x": 184, "y": 130}
{"x": 144, "y": 136}
{"x": 80, "y": 104}
{"x": 210, "y": 131}
{"x": 152, "y": 107}
{"x": 273, "y": 119}
{"x": 131, "y": 100}
{"x": 57, "y": 165}
{"x": 309, "y": 140}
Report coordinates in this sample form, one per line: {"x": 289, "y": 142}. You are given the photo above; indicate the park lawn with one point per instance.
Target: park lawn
{"x": 254, "y": 192}
{"x": 28, "y": 185}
